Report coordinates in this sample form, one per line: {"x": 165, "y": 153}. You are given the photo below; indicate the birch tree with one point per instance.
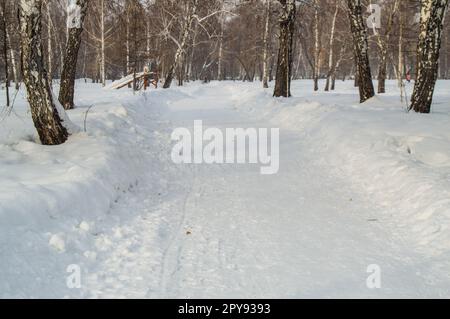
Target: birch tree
{"x": 44, "y": 111}
{"x": 191, "y": 11}
{"x": 431, "y": 23}
{"x": 361, "y": 46}
{"x": 4, "y": 27}
{"x": 284, "y": 64}
{"x": 266, "y": 45}
{"x": 331, "y": 62}
{"x": 317, "y": 45}
{"x": 220, "y": 75}
{"x": 76, "y": 24}
{"x": 383, "y": 40}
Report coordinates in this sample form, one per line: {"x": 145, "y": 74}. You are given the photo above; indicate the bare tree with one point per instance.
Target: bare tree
{"x": 191, "y": 10}
{"x": 227, "y": 39}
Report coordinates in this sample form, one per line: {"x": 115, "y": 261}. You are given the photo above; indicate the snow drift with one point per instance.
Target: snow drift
{"x": 52, "y": 196}
{"x": 401, "y": 159}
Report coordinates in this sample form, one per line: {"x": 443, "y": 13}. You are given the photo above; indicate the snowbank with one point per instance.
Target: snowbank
{"x": 51, "y": 197}
{"x": 402, "y": 160}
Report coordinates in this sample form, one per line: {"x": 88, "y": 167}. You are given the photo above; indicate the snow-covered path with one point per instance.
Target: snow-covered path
{"x": 220, "y": 231}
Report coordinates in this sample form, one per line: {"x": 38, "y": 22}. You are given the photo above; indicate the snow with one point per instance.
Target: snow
{"x": 359, "y": 187}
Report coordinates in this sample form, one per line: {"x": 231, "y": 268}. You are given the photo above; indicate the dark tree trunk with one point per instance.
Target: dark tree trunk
{"x": 360, "y": 43}
{"x": 5, "y": 48}
{"x": 169, "y": 78}
{"x": 67, "y": 90}
{"x": 266, "y": 45}
{"x": 356, "y": 84}
{"x": 431, "y": 23}
{"x": 284, "y": 67}
{"x": 43, "y": 109}
{"x": 316, "y": 83}
{"x": 382, "y": 74}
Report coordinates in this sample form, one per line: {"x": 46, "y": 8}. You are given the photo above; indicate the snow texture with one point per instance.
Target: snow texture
{"x": 358, "y": 185}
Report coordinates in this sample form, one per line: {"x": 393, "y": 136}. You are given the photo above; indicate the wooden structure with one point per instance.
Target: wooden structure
{"x": 141, "y": 80}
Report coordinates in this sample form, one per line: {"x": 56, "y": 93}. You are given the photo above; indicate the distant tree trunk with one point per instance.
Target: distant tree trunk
{"x": 431, "y": 23}
{"x": 284, "y": 66}
{"x": 336, "y": 66}
{"x": 220, "y": 56}
{"x": 401, "y": 60}
{"x": 383, "y": 42}
{"x": 13, "y": 61}
{"x": 317, "y": 45}
{"x": 361, "y": 45}
{"x": 67, "y": 90}
{"x": 331, "y": 45}
{"x": 5, "y": 48}
{"x": 266, "y": 46}
{"x": 190, "y": 72}
{"x": 103, "y": 44}
{"x": 382, "y": 69}
{"x": 127, "y": 41}
{"x": 333, "y": 82}
{"x": 43, "y": 109}
{"x": 191, "y": 11}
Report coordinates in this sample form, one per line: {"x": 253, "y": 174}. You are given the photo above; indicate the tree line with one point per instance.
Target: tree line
{"x": 246, "y": 40}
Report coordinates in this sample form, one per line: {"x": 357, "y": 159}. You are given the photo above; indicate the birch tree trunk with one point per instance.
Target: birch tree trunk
{"x": 401, "y": 62}
{"x": 49, "y": 43}
{"x": 190, "y": 72}
{"x": 431, "y": 24}
{"x": 127, "y": 42}
{"x": 383, "y": 43}
{"x": 13, "y": 60}
{"x": 284, "y": 65}
{"x": 192, "y": 10}
{"x": 331, "y": 45}
{"x": 147, "y": 42}
{"x": 361, "y": 46}
{"x": 316, "y": 46}
{"x": 5, "y": 49}
{"x": 67, "y": 90}
{"x": 43, "y": 109}
{"x": 266, "y": 46}
{"x": 102, "y": 54}
{"x": 220, "y": 76}
{"x": 336, "y": 67}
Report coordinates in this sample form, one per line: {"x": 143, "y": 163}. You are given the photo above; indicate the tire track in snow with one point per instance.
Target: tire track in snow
{"x": 168, "y": 255}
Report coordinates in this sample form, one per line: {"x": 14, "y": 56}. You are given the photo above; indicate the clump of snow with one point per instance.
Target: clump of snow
{"x": 84, "y": 226}
{"x": 57, "y": 242}
{"x": 66, "y": 122}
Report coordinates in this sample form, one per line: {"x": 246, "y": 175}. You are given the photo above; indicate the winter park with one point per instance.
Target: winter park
{"x": 223, "y": 149}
